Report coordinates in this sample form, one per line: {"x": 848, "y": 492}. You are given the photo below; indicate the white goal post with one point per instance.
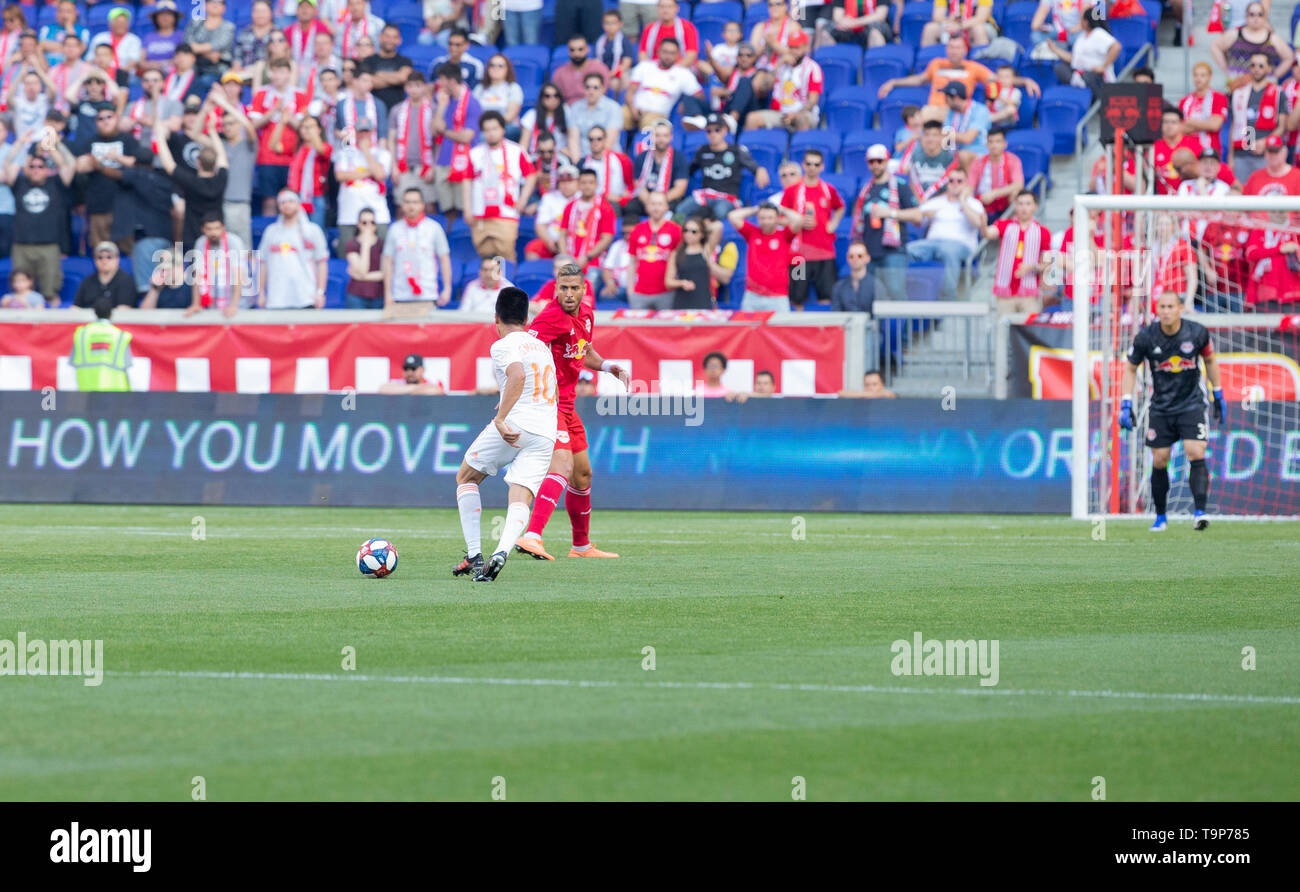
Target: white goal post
{"x": 1107, "y": 481}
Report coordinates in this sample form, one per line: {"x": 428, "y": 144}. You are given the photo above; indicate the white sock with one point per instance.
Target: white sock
{"x": 516, "y": 519}
{"x": 471, "y": 512}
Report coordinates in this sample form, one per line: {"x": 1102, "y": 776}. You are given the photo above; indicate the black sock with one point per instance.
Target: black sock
{"x": 1199, "y": 480}
{"x": 1159, "y": 488}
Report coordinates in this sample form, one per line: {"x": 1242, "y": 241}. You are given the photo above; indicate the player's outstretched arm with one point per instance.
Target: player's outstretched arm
{"x": 596, "y": 362}
{"x": 1212, "y": 375}
{"x": 1127, "y": 383}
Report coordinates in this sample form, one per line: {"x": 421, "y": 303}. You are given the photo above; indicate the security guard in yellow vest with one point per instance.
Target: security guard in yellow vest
{"x": 101, "y": 352}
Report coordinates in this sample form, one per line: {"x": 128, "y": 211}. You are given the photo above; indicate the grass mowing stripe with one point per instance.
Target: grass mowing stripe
{"x": 710, "y": 685}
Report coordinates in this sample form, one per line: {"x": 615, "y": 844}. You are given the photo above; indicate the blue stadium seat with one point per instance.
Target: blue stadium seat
{"x": 999, "y": 9}
{"x": 461, "y": 243}
{"x": 853, "y": 152}
{"x": 776, "y": 139}
{"x": 559, "y": 56}
{"x": 534, "y": 53}
{"x": 401, "y": 11}
{"x": 849, "y": 109}
{"x": 915, "y": 16}
{"x": 928, "y": 53}
{"x": 837, "y": 74}
{"x": 904, "y": 53}
{"x": 890, "y": 110}
{"x": 1060, "y": 115}
{"x": 727, "y": 10}
{"x": 1039, "y": 138}
{"x": 421, "y": 56}
{"x": 846, "y": 184}
{"x": 1155, "y": 10}
{"x": 533, "y": 282}
{"x": 1077, "y": 96}
{"x": 74, "y": 270}
{"x": 1016, "y": 21}
{"x": 826, "y": 140}
{"x": 1132, "y": 32}
{"x": 1033, "y": 160}
{"x": 337, "y": 284}
{"x": 530, "y": 268}
{"x": 692, "y": 140}
{"x": 482, "y": 53}
{"x": 878, "y": 69}
{"x": 259, "y": 225}
{"x": 1043, "y": 73}
{"x": 766, "y": 156}
{"x": 753, "y": 15}
{"x": 843, "y": 52}
{"x": 709, "y": 29}
{"x": 1028, "y": 109}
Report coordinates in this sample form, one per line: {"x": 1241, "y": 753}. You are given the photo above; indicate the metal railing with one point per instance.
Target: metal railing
{"x": 930, "y": 345}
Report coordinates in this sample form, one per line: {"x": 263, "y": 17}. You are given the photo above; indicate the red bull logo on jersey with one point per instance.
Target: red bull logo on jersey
{"x": 576, "y": 351}
{"x": 1176, "y": 364}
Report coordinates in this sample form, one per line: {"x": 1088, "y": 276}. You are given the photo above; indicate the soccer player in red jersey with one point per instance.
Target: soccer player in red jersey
{"x": 566, "y": 324}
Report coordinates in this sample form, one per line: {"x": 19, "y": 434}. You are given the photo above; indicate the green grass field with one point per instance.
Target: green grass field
{"x": 772, "y": 659}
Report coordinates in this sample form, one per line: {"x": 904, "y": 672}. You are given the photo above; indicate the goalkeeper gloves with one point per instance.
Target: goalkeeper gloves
{"x": 1126, "y": 414}
{"x": 1220, "y": 409}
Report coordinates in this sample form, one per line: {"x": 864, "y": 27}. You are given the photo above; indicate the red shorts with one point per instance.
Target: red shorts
{"x": 538, "y": 248}
{"x": 571, "y": 434}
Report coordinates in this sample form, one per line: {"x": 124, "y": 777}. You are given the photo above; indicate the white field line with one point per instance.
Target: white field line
{"x": 712, "y": 686}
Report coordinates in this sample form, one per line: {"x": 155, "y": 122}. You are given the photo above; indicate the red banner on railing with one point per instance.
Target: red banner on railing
{"x": 330, "y": 356}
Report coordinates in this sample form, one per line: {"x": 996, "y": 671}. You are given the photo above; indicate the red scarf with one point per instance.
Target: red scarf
{"x": 347, "y": 32}
{"x": 1197, "y": 108}
{"x": 782, "y": 39}
{"x": 1018, "y": 247}
{"x": 964, "y": 9}
{"x": 800, "y": 205}
{"x": 303, "y": 172}
{"x": 114, "y": 40}
{"x": 176, "y": 86}
{"x": 940, "y": 183}
{"x": 663, "y": 180}
{"x": 205, "y": 274}
{"x": 1264, "y": 122}
{"x": 607, "y": 162}
{"x": 407, "y": 267}
{"x": 652, "y": 36}
{"x": 580, "y": 244}
{"x": 350, "y": 111}
{"x": 403, "y": 132}
{"x": 460, "y": 166}
{"x": 999, "y": 175}
{"x": 1215, "y": 25}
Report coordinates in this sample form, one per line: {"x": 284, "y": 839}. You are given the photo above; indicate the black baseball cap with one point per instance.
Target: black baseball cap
{"x": 955, "y": 88}
{"x": 413, "y": 361}
{"x": 1208, "y": 152}
{"x": 715, "y": 120}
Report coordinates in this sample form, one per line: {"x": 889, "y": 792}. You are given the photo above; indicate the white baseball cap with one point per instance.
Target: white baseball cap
{"x": 878, "y": 152}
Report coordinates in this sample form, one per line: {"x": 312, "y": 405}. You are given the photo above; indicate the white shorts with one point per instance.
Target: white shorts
{"x": 529, "y": 461}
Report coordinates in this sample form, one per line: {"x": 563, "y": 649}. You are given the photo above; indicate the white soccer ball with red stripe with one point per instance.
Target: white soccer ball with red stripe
{"x": 377, "y": 558}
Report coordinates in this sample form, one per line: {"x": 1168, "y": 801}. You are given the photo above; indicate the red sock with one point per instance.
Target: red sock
{"x": 548, "y": 497}
{"x": 578, "y": 503}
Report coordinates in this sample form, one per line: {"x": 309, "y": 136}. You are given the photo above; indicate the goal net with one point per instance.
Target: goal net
{"x": 1235, "y": 263}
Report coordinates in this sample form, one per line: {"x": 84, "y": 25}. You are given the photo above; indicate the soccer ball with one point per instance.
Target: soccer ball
{"x": 377, "y": 558}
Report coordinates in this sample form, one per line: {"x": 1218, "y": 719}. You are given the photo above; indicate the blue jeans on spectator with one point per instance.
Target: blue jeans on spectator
{"x": 142, "y": 260}
{"x": 352, "y": 302}
{"x": 719, "y": 207}
{"x": 952, "y": 254}
{"x": 890, "y": 272}
{"x": 317, "y": 215}
{"x": 523, "y": 27}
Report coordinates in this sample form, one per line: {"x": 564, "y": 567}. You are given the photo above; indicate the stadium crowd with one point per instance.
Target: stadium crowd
{"x": 320, "y": 153}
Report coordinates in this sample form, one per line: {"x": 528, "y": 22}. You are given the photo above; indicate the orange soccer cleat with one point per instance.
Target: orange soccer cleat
{"x": 592, "y": 552}
{"x": 531, "y": 545}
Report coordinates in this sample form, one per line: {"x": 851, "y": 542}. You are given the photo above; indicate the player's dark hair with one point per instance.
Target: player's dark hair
{"x": 765, "y": 372}
{"x": 817, "y": 152}
{"x": 1171, "y": 109}
{"x": 104, "y": 308}
{"x": 875, "y": 372}
{"x": 714, "y": 355}
{"x": 672, "y": 40}
{"x": 492, "y": 116}
{"x": 451, "y": 71}
{"x": 588, "y": 171}
{"x": 512, "y": 306}
{"x": 212, "y": 217}
{"x": 932, "y": 125}
{"x": 1029, "y": 192}
{"x": 910, "y": 110}
{"x": 569, "y": 269}
{"x": 415, "y": 189}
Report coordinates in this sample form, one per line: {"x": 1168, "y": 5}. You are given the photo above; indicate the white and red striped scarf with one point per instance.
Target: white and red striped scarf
{"x": 1267, "y": 118}
{"x": 1197, "y": 108}
{"x": 1018, "y": 247}
{"x": 993, "y": 176}
{"x": 7, "y": 43}
{"x": 304, "y": 168}
{"x": 604, "y": 176}
{"x": 652, "y": 36}
{"x": 425, "y": 122}
{"x": 663, "y": 179}
{"x": 938, "y": 185}
{"x": 580, "y": 245}
{"x": 205, "y": 272}
{"x": 349, "y": 28}
{"x": 782, "y": 39}
{"x": 176, "y": 85}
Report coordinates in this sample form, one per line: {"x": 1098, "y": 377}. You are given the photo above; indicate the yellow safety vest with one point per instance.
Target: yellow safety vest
{"x": 101, "y": 354}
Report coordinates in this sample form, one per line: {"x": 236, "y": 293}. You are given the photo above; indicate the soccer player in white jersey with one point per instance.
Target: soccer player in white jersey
{"x": 522, "y": 435}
